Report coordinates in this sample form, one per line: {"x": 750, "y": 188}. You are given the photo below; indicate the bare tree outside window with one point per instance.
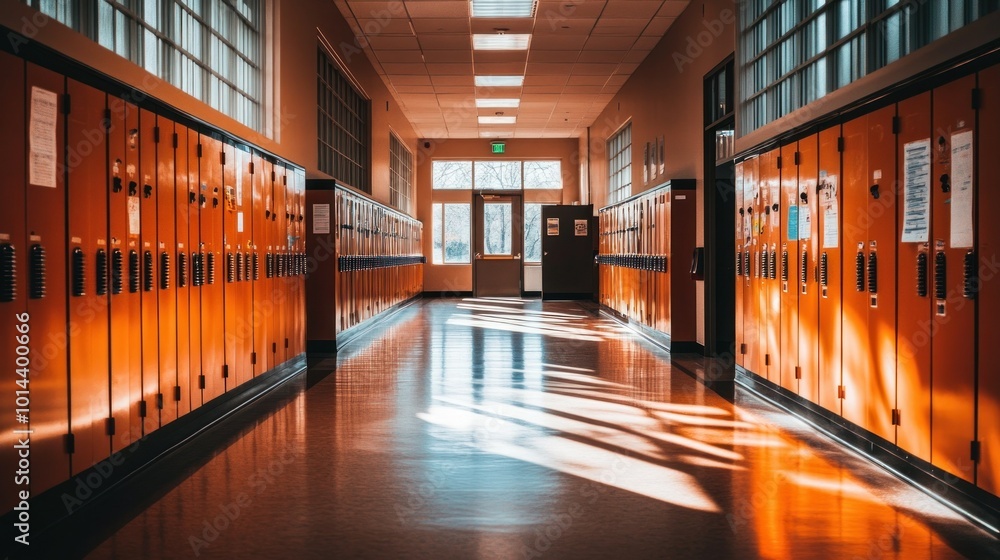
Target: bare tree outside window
{"x": 498, "y": 175}
{"x": 543, "y": 174}
{"x": 533, "y": 232}
{"x": 497, "y": 218}
{"x": 452, "y": 174}
{"x": 452, "y": 237}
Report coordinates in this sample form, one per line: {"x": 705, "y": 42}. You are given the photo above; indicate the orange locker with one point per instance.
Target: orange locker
{"x": 869, "y": 300}
{"x": 788, "y": 256}
{"x": 168, "y": 396}
{"x": 186, "y": 222}
{"x": 148, "y": 248}
{"x": 244, "y": 290}
{"x": 261, "y": 172}
{"x": 280, "y": 258}
{"x": 807, "y": 267}
{"x": 46, "y": 275}
{"x": 231, "y": 247}
{"x": 212, "y": 269}
{"x": 988, "y": 473}
{"x": 751, "y": 304}
{"x": 741, "y": 235}
{"x": 196, "y": 268}
{"x": 953, "y": 349}
{"x": 299, "y": 333}
{"x": 828, "y": 219}
{"x": 88, "y": 279}
{"x": 770, "y": 214}
{"x": 13, "y": 264}
{"x": 915, "y": 265}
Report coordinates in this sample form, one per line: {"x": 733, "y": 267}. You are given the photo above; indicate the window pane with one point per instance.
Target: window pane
{"x": 543, "y": 174}
{"x": 452, "y": 175}
{"x": 532, "y": 232}
{"x": 438, "y": 236}
{"x": 497, "y": 228}
{"x": 498, "y": 175}
{"x": 457, "y": 234}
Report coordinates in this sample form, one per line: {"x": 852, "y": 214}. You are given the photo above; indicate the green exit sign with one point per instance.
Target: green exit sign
{"x": 498, "y": 147}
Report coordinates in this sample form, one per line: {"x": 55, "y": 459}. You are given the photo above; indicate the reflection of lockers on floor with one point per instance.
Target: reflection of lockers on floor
{"x": 883, "y": 267}
{"x": 126, "y": 296}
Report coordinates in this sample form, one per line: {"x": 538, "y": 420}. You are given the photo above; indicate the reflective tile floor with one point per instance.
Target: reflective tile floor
{"x": 515, "y": 429}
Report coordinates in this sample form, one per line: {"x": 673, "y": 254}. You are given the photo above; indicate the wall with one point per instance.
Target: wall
{"x": 664, "y": 97}
{"x": 458, "y": 278}
{"x": 291, "y": 109}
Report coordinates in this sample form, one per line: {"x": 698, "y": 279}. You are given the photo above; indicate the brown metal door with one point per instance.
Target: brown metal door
{"x": 913, "y": 359}
{"x": 953, "y": 349}
{"x": 807, "y": 267}
{"x": 497, "y": 268}
{"x": 828, "y": 229}
{"x": 166, "y": 263}
{"x": 88, "y": 279}
{"x": 788, "y": 256}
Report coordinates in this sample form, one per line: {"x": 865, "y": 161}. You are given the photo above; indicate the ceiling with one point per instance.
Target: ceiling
{"x": 579, "y": 54}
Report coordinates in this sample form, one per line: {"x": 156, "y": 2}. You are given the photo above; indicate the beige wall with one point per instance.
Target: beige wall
{"x": 458, "y": 278}
{"x": 664, "y": 97}
{"x": 291, "y": 132}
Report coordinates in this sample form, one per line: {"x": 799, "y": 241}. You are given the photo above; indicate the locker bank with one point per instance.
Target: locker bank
{"x": 484, "y": 279}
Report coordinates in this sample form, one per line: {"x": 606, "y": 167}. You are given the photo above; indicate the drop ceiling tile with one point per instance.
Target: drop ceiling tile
{"x": 594, "y": 69}
{"x": 646, "y": 43}
{"x": 542, "y": 89}
{"x": 546, "y": 80}
{"x": 441, "y": 25}
{"x": 402, "y": 88}
{"x": 583, "y": 89}
{"x": 405, "y": 69}
{"x": 658, "y": 26}
{"x": 412, "y": 80}
{"x": 617, "y": 26}
{"x": 442, "y": 41}
{"x": 499, "y": 68}
{"x": 549, "y": 99}
{"x": 587, "y": 80}
{"x": 450, "y": 69}
{"x": 393, "y": 26}
{"x": 564, "y": 26}
{"x": 439, "y": 79}
{"x": 672, "y": 8}
{"x": 548, "y": 69}
{"x": 562, "y": 57}
{"x": 448, "y": 55}
{"x": 390, "y": 56}
{"x": 507, "y": 25}
{"x": 437, "y": 9}
{"x": 559, "y": 42}
{"x": 637, "y": 9}
{"x": 463, "y": 90}
{"x": 610, "y": 42}
{"x": 591, "y": 55}
{"x": 626, "y": 69}
{"x": 569, "y": 9}
{"x": 636, "y": 56}
{"x": 379, "y": 42}
{"x": 617, "y": 80}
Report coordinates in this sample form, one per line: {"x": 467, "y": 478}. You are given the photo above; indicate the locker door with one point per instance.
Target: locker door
{"x": 300, "y": 326}
{"x": 914, "y": 288}
{"x": 806, "y": 268}
{"x": 953, "y": 349}
{"x": 788, "y": 257}
{"x": 740, "y": 218}
{"x": 196, "y": 270}
{"x": 230, "y": 271}
{"x": 261, "y": 170}
{"x": 244, "y": 293}
{"x": 185, "y": 219}
{"x": 212, "y": 253}
{"x": 751, "y": 309}
{"x": 281, "y": 296}
{"x": 148, "y": 248}
{"x": 270, "y": 281}
{"x": 88, "y": 279}
{"x": 988, "y": 474}
{"x": 13, "y": 264}
{"x": 770, "y": 185}
{"x": 46, "y": 274}
{"x": 828, "y": 205}
{"x": 165, "y": 257}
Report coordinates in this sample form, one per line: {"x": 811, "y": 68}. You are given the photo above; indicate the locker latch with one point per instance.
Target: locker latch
{"x": 798, "y": 372}
{"x": 873, "y": 272}
{"x": 743, "y": 349}
{"x": 841, "y": 391}
{"x": 896, "y": 417}
{"x": 8, "y": 273}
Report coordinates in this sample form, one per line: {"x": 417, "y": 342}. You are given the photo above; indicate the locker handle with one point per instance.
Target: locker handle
{"x": 147, "y": 269}
{"x": 102, "y": 272}
{"x": 182, "y": 270}
{"x": 859, "y": 271}
{"x": 804, "y": 272}
{"x": 940, "y": 275}
{"x": 116, "y": 185}
{"x": 971, "y": 284}
{"x": 36, "y": 288}
{"x": 874, "y": 190}
{"x": 147, "y": 191}
{"x": 824, "y": 276}
{"x": 164, "y": 270}
{"x": 945, "y": 183}
{"x": 8, "y": 273}
{"x": 922, "y": 275}
{"x": 117, "y": 269}
{"x": 133, "y": 188}
{"x": 784, "y": 266}
{"x": 873, "y": 273}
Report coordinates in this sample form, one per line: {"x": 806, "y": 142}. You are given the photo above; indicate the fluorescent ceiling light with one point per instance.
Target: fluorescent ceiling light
{"x": 500, "y": 42}
{"x": 498, "y": 103}
{"x": 504, "y": 8}
{"x": 494, "y": 134}
{"x": 499, "y": 81}
{"x": 497, "y": 120}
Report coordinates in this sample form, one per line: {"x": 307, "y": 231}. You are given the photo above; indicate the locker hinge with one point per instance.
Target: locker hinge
{"x": 798, "y": 372}
{"x": 177, "y": 393}
{"x": 142, "y": 409}
{"x": 779, "y": 162}
{"x": 743, "y": 349}
{"x": 201, "y": 381}
{"x": 156, "y": 135}
{"x": 66, "y": 106}
{"x": 840, "y": 144}
{"x": 841, "y": 391}
{"x": 222, "y": 158}
{"x": 797, "y": 158}
{"x": 976, "y": 98}
{"x": 225, "y": 371}
{"x": 159, "y": 401}
{"x": 109, "y": 426}
{"x": 253, "y": 358}
{"x": 198, "y": 150}
{"x": 895, "y": 417}
{"x": 70, "y": 442}
{"x": 896, "y": 125}
{"x": 974, "y": 449}
{"x": 176, "y": 141}
{"x": 251, "y": 168}
{"x": 107, "y": 119}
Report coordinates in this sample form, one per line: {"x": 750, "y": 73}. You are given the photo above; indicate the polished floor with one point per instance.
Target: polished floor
{"x": 518, "y": 429}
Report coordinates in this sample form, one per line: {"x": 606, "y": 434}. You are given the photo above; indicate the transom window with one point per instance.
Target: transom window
{"x": 497, "y": 174}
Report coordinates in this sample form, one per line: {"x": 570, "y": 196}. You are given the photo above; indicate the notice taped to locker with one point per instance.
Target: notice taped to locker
{"x": 917, "y": 191}
{"x": 42, "y": 138}
{"x": 321, "y": 219}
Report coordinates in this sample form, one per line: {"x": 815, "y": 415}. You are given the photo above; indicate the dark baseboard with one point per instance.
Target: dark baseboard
{"x": 446, "y": 295}
{"x": 531, "y": 294}
{"x": 572, "y": 296}
{"x": 350, "y": 335}
{"x": 979, "y": 506}
{"x": 660, "y": 338}
{"x": 321, "y": 346}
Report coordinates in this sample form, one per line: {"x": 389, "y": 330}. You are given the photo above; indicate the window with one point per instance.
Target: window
{"x": 543, "y": 174}
{"x": 501, "y": 175}
{"x": 210, "y": 49}
{"x": 533, "y": 232}
{"x": 343, "y": 126}
{"x": 620, "y": 165}
{"x": 400, "y": 174}
{"x": 452, "y": 174}
{"x": 452, "y": 234}
{"x": 498, "y": 175}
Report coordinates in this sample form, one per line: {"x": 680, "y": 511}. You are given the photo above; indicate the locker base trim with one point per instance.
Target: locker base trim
{"x": 973, "y": 503}
{"x": 347, "y": 336}
{"x": 660, "y": 338}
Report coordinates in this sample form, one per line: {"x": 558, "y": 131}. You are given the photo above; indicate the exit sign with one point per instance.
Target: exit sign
{"x": 498, "y": 147}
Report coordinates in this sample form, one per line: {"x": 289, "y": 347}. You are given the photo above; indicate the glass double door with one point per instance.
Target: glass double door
{"x": 499, "y": 240}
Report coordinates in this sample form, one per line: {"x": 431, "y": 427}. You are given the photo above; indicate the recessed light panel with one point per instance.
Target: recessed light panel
{"x": 503, "y": 8}
{"x": 500, "y": 42}
{"x": 497, "y": 120}
{"x": 499, "y": 81}
{"x": 498, "y": 103}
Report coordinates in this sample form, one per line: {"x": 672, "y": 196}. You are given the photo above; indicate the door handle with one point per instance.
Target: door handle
{"x": 479, "y": 256}
{"x": 517, "y": 257}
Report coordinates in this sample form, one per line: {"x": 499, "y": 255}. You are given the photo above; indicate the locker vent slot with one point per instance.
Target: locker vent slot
{"x": 804, "y": 272}
{"x": 873, "y": 273}
{"x": 784, "y": 266}
{"x": 210, "y": 268}
{"x": 247, "y": 267}
{"x": 117, "y": 272}
{"x": 824, "y": 269}
{"x": 765, "y": 264}
{"x": 102, "y": 272}
{"x": 164, "y": 270}
{"x": 256, "y": 266}
{"x": 147, "y": 272}
{"x": 239, "y": 267}
{"x": 940, "y": 275}
{"x": 197, "y": 269}
{"x": 859, "y": 271}
{"x": 774, "y": 265}
{"x": 36, "y": 289}
{"x": 182, "y": 270}
{"x": 971, "y": 287}
{"x": 8, "y": 273}
{"x": 746, "y": 263}
{"x": 79, "y": 273}
{"x": 269, "y": 265}
{"x": 281, "y": 265}
{"x": 230, "y": 268}
{"x": 922, "y": 275}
